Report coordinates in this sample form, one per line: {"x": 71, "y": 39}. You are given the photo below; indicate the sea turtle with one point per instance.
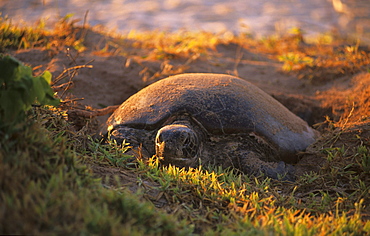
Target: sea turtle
{"x": 206, "y": 118}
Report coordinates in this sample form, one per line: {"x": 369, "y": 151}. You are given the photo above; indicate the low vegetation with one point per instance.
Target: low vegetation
{"x": 56, "y": 179}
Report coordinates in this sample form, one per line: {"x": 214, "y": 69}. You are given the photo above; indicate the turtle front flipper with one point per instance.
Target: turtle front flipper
{"x": 139, "y": 140}
{"x": 253, "y": 165}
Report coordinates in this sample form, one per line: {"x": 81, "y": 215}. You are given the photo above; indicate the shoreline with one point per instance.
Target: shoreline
{"x": 258, "y": 19}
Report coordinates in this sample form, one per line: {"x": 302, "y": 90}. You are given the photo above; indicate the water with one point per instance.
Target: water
{"x": 259, "y": 17}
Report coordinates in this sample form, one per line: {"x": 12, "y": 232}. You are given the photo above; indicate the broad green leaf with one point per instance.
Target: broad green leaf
{"x": 38, "y": 90}
{"x": 20, "y": 89}
{"x": 11, "y": 106}
{"x": 47, "y": 76}
{"x": 8, "y": 68}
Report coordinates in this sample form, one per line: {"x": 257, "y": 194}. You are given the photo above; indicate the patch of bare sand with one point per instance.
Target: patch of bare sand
{"x": 111, "y": 80}
{"x": 350, "y": 106}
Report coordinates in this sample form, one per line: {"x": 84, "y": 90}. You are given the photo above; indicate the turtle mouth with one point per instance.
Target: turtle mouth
{"x": 176, "y": 144}
{"x": 179, "y": 162}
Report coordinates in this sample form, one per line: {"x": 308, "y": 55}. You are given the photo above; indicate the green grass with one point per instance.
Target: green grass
{"x": 223, "y": 201}
{"x": 15, "y": 37}
{"x": 45, "y": 190}
{"x": 24, "y": 37}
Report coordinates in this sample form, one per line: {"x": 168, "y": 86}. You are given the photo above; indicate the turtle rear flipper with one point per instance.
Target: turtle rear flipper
{"x": 283, "y": 171}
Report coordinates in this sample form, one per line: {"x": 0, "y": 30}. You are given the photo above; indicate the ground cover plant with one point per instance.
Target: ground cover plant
{"x": 57, "y": 179}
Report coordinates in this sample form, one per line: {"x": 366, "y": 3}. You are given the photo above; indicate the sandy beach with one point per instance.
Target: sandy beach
{"x": 259, "y": 18}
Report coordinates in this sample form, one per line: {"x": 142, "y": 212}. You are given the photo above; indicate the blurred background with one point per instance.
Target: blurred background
{"x": 257, "y": 17}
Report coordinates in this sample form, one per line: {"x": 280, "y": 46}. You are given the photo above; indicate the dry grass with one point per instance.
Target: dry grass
{"x": 319, "y": 62}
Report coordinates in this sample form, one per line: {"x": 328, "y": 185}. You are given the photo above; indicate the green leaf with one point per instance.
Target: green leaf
{"x": 11, "y": 106}
{"x": 47, "y": 76}
{"x": 38, "y": 90}
{"x": 19, "y": 89}
{"x": 8, "y": 68}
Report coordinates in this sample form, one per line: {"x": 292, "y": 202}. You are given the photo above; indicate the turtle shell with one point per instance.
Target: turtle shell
{"x": 223, "y": 104}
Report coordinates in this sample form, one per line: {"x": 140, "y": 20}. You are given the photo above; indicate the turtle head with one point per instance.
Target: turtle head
{"x": 177, "y": 144}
